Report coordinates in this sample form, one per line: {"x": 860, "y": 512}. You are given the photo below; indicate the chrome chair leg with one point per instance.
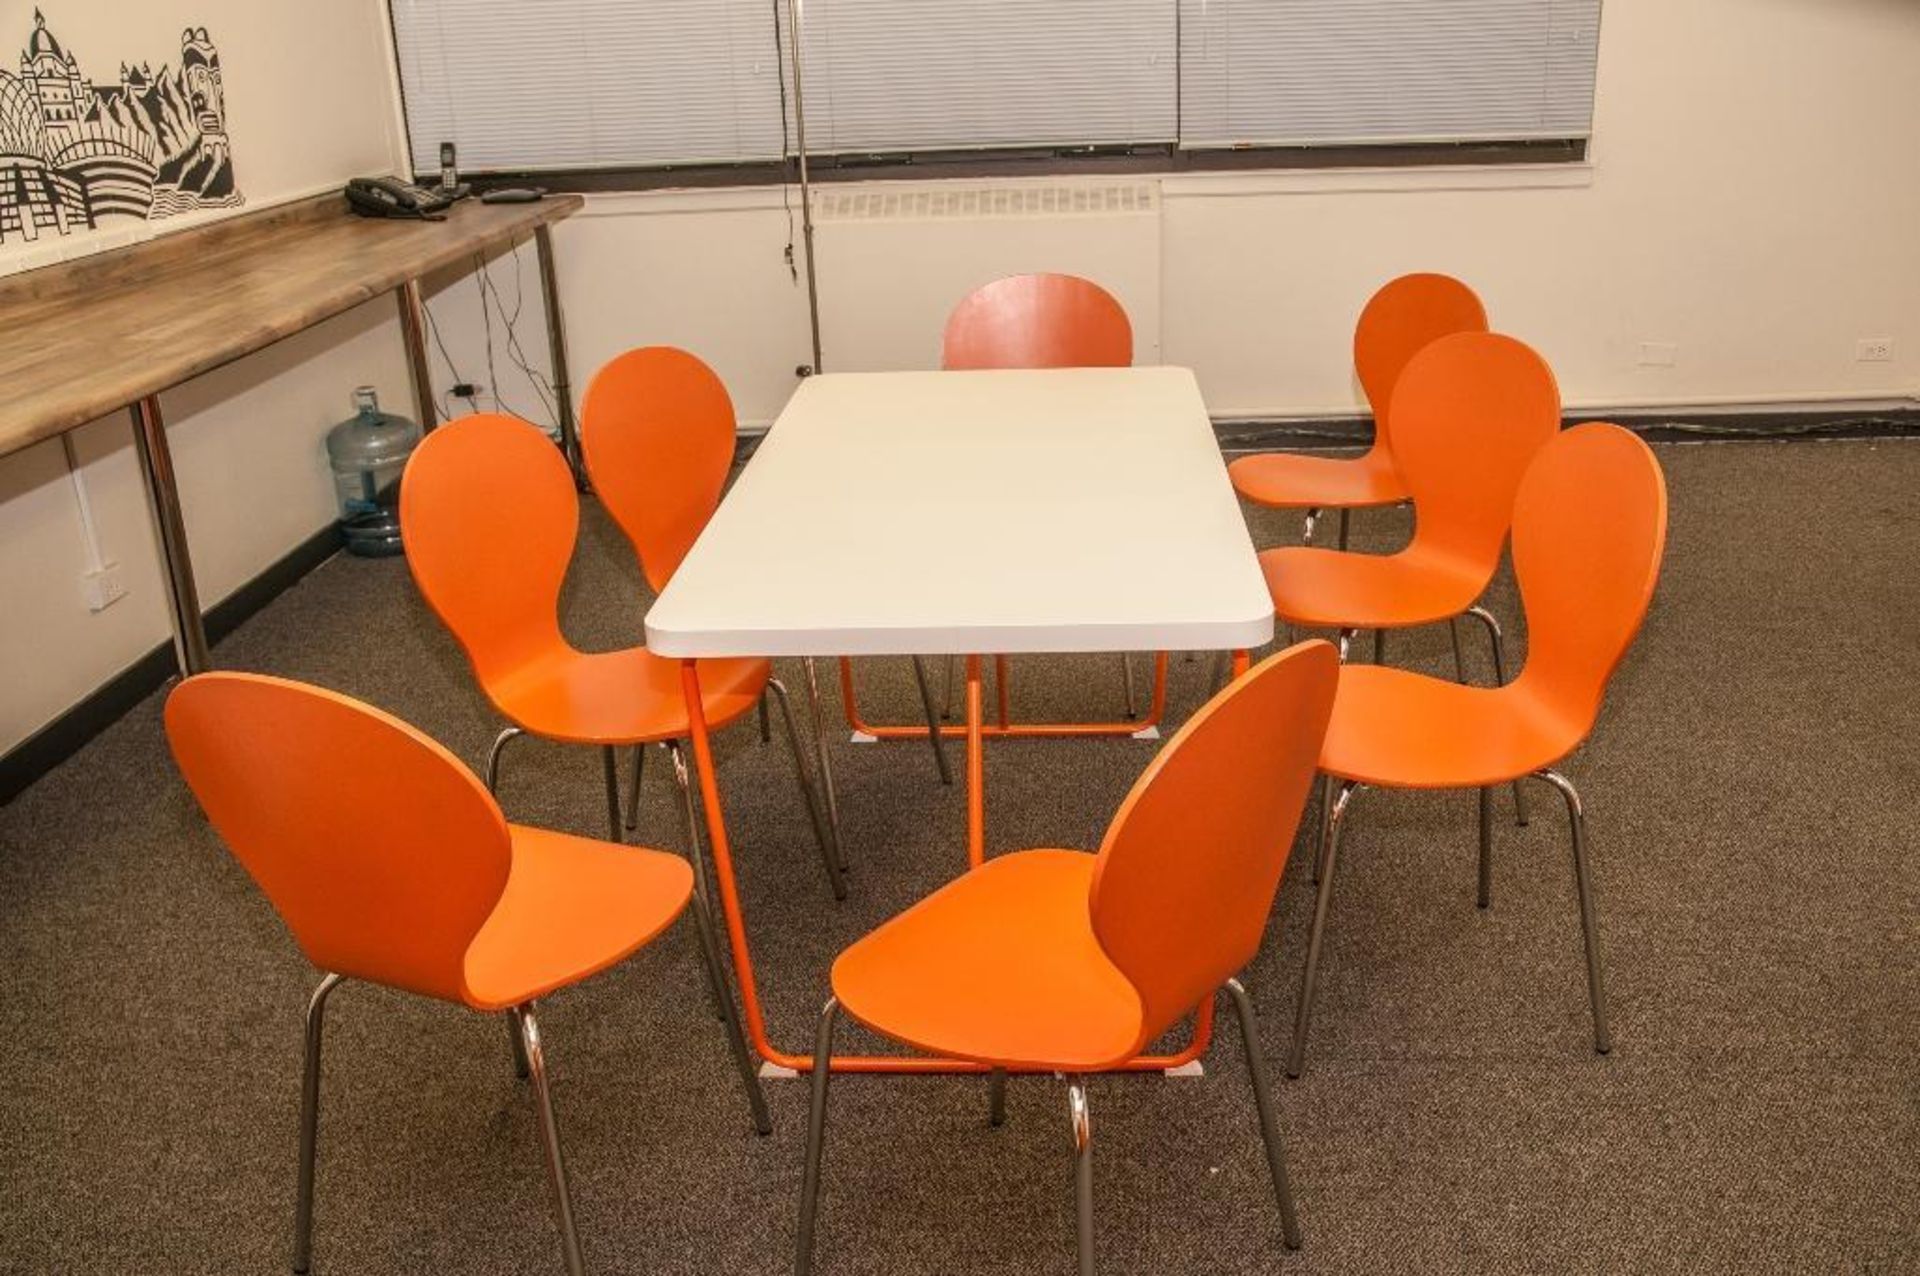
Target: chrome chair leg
{"x": 766, "y": 726}
{"x": 493, "y": 757}
{"x": 1343, "y": 529}
{"x": 1126, "y": 680}
{"x": 1379, "y": 646}
{"x": 610, "y": 770}
{"x": 550, "y": 1138}
{"x": 1589, "y": 919}
{"x": 1269, "y": 1120}
{"x": 822, "y": 830}
{"x": 1485, "y": 617}
{"x": 821, "y": 755}
{"x": 519, "y": 1048}
{"x": 736, "y": 1039}
{"x": 633, "y": 794}
{"x": 816, "y": 1139}
{"x": 1485, "y": 898}
{"x": 1082, "y": 1124}
{"x": 1306, "y": 530}
{"x": 1346, "y": 642}
{"x": 1217, "y": 676}
{"x": 309, "y": 1126}
{"x": 1459, "y": 663}
{"x": 702, "y": 886}
{"x": 1325, "y": 785}
{"x": 946, "y": 688}
{"x": 997, "y": 1098}
{"x": 933, "y": 721}
{"x": 1329, "y": 854}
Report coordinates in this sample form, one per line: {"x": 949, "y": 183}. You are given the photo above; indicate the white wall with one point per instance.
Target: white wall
{"x": 309, "y": 103}
{"x": 1752, "y": 199}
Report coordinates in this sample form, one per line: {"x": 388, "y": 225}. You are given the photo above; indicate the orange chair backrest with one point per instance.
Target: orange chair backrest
{"x": 657, "y": 430}
{"x": 1400, "y": 320}
{"x": 1469, "y": 414}
{"x": 1188, "y": 870}
{"x": 1589, "y": 529}
{"x": 381, "y": 852}
{"x": 488, "y": 515}
{"x": 1038, "y": 321}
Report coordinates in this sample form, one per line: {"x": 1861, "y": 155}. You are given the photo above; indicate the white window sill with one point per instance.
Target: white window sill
{"x": 1336, "y": 181}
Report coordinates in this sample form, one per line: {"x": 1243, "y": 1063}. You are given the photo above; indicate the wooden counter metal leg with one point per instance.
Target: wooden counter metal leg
{"x": 413, "y": 334}
{"x": 163, "y": 498}
{"x": 557, "y": 349}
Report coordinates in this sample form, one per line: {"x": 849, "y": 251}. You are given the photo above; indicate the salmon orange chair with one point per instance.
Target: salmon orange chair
{"x": 1399, "y": 321}
{"x": 1060, "y": 961}
{"x": 1589, "y": 527}
{"x": 489, "y": 515}
{"x": 1030, "y": 321}
{"x": 392, "y": 864}
{"x": 1037, "y": 321}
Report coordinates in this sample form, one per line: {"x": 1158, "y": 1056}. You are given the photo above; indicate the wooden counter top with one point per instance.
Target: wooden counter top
{"x": 87, "y": 337}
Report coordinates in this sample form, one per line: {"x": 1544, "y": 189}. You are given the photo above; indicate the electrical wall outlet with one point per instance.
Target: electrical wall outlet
{"x": 103, "y": 587}
{"x": 1873, "y": 350}
{"x": 1658, "y": 354}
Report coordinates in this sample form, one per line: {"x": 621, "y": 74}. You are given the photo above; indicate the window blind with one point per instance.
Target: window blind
{"x": 1330, "y": 72}
{"x": 914, "y": 75}
{"x": 567, "y": 84}
{"x": 532, "y": 84}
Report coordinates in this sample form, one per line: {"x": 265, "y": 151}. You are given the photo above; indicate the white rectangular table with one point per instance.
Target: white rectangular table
{"x": 933, "y": 513}
{"x": 900, "y": 513}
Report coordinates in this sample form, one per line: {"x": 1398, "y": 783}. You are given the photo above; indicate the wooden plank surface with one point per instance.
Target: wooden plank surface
{"x": 86, "y": 338}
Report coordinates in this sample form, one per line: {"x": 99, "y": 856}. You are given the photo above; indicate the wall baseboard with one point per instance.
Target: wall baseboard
{"x": 61, "y": 738}
{"x": 1656, "y": 425}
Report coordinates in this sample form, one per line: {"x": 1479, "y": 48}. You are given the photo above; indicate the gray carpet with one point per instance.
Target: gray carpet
{"x": 1752, "y": 799}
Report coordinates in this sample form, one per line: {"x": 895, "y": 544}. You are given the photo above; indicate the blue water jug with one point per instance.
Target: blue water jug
{"x": 367, "y": 454}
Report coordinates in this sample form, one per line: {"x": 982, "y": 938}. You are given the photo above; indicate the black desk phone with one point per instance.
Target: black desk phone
{"x": 391, "y": 197}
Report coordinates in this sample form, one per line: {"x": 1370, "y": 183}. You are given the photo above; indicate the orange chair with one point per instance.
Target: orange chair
{"x": 489, "y": 515}
{"x": 1029, "y": 321}
{"x": 1060, "y": 961}
{"x": 1589, "y": 527}
{"x": 1037, "y": 321}
{"x": 657, "y": 428}
{"x": 1399, "y": 321}
{"x": 1469, "y": 412}
{"x": 390, "y": 863}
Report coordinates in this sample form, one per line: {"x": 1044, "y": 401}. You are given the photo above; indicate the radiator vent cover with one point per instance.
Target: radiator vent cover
{"x": 948, "y": 202}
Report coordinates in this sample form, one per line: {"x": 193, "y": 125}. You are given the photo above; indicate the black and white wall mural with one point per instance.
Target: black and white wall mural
{"x": 75, "y": 153}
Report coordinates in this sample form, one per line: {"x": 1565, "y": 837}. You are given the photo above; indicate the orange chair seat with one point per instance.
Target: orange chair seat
{"x": 621, "y": 697}
{"x": 1338, "y": 590}
{"x": 1000, "y": 966}
{"x": 571, "y": 908}
{"x": 1285, "y": 480}
{"x": 1403, "y": 730}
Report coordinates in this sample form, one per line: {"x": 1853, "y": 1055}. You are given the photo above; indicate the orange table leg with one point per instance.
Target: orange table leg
{"x": 977, "y": 767}
{"x": 723, "y": 862}
{"x": 1000, "y": 690}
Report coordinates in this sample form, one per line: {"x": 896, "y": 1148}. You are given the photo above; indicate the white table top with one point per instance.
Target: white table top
{"x": 926, "y": 513}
